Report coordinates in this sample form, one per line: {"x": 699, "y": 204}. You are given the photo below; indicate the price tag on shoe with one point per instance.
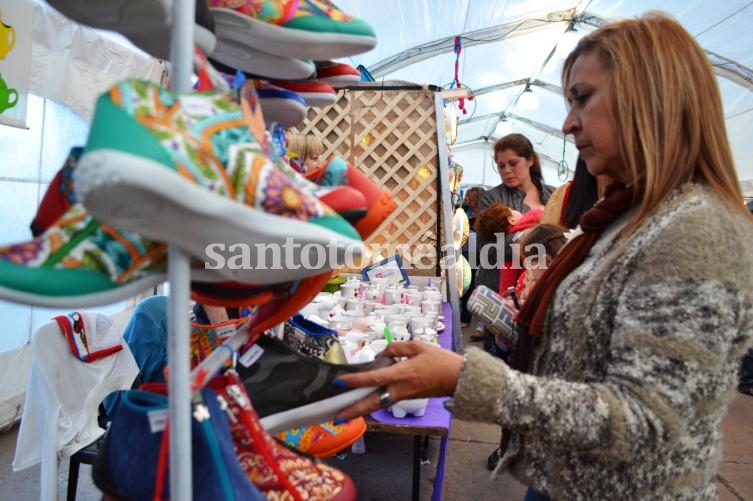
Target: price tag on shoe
{"x": 251, "y": 355}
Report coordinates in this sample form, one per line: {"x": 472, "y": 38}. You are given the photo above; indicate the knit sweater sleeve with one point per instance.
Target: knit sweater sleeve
{"x": 676, "y": 339}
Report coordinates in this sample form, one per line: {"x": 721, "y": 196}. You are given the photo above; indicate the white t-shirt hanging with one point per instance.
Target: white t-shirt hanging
{"x": 61, "y": 408}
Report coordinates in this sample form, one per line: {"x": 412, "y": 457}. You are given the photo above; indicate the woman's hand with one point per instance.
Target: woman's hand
{"x": 428, "y": 371}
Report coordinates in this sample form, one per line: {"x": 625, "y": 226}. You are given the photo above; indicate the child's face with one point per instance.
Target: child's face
{"x": 312, "y": 162}
{"x": 536, "y": 267}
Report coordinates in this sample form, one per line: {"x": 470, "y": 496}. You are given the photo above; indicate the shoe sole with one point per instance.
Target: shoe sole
{"x": 260, "y": 63}
{"x": 146, "y": 23}
{"x": 317, "y": 99}
{"x": 89, "y": 300}
{"x": 159, "y": 203}
{"x": 287, "y": 42}
{"x": 287, "y": 112}
{"x": 83, "y": 300}
{"x": 340, "y": 80}
{"x": 318, "y": 412}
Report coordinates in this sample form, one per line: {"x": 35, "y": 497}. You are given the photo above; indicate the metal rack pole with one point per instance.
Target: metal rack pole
{"x": 179, "y": 276}
{"x": 444, "y": 192}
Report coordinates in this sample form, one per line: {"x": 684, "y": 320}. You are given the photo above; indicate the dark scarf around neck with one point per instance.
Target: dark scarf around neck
{"x": 616, "y": 202}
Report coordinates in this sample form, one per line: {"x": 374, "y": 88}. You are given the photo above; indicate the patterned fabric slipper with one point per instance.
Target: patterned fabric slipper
{"x": 302, "y": 29}
{"x": 165, "y": 165}
{"x": 324, "y": 440}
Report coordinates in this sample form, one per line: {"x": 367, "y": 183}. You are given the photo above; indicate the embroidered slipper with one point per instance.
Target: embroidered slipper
{"x": 163, "y": 165}
{"x": 305, "y": 29}
{"x": 324, "y": 440}
{"x": 79, "y": 262}
{"x": 207, "y": 287}
{"x": 276, "y": 470}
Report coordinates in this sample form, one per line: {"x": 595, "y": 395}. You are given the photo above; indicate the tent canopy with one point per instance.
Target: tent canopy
{"x": 512, "y": 46}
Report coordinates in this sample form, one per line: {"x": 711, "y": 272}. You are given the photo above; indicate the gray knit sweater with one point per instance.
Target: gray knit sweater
{"x": 637, "y": 362}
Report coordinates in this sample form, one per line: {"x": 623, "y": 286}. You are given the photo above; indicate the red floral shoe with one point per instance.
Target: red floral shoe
{"x": 274, "y": 469}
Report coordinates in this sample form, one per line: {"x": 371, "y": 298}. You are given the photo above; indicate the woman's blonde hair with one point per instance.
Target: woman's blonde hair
{"x": 666, "y": 107}
{"x": 303, "y": 146}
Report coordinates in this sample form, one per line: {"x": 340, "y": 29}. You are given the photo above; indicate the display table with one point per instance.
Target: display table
{"x": 435, "y": 422}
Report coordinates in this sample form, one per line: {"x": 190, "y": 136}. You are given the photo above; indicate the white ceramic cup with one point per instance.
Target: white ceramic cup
{"x": 349, "y": 290}
{"x": 340, "y": 323}
{"x": 354, "y": 305}
{"x": 431, "y": 306}
{"x": 421, "y": 322}
{"x": 393, "y": 296}
{"x": 414, "y": 297}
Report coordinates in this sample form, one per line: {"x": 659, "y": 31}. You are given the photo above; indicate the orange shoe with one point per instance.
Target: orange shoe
{"x": 326, "y": 439}
{"x": 379, "y": 202}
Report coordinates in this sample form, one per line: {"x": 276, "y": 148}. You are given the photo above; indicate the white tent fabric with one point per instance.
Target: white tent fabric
{"x": 510, "y": 43}
{"x": 507, "y": 45}
{"x": 13, "y": 384}
{"x": 73, "y": 64}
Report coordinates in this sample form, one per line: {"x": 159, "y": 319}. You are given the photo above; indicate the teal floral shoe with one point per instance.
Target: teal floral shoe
{"x": 303, "y": 29}
{"x": 79, "y": 262}
{"x": 188, "y": 170}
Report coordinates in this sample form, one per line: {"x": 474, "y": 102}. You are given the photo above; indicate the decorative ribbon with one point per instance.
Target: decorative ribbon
{"x": 456, "y": 83}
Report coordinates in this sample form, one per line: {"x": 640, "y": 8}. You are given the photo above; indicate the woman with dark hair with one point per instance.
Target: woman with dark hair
{"x": 522, "y": 189}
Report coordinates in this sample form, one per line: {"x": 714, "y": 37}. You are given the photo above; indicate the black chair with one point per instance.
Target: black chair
{"x": 87, "y": 455}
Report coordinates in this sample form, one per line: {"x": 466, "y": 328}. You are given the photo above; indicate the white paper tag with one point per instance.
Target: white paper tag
{"x": 225, "y": 331}
{"x": 196, "y": 105}
{"x": 251, "y": 356}
{"x": 157, "y": 420}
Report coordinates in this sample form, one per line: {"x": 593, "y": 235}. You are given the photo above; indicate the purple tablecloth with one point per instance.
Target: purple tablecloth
{"x": 436, "y": 415}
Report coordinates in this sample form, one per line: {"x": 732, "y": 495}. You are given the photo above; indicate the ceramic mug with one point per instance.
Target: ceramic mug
{"x": 349, "y": 290}
{"x": 414, "y": 297}
{"x": 417, "y": 323}
{"x": 430, "y": 306}
{"x": 340, "y": 323}
{"x": 372, "y": 294}
{"x": 354, "y": 305}
{"x": 393, "y": 296}
{"x": 399, "y": 331}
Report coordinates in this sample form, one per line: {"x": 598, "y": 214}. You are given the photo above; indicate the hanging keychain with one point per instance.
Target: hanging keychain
{"x": 563, "y": 170}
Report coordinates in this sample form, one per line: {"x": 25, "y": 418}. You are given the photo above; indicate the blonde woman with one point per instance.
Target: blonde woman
{"x": 637, "y": 327}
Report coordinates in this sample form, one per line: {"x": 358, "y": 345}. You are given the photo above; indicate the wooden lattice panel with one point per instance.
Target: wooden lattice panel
{"x": 391, "y": 136}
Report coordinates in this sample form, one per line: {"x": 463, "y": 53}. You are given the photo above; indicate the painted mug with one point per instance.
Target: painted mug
{"x": 8, "y": 96}
{"x": 7, "y": 38}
